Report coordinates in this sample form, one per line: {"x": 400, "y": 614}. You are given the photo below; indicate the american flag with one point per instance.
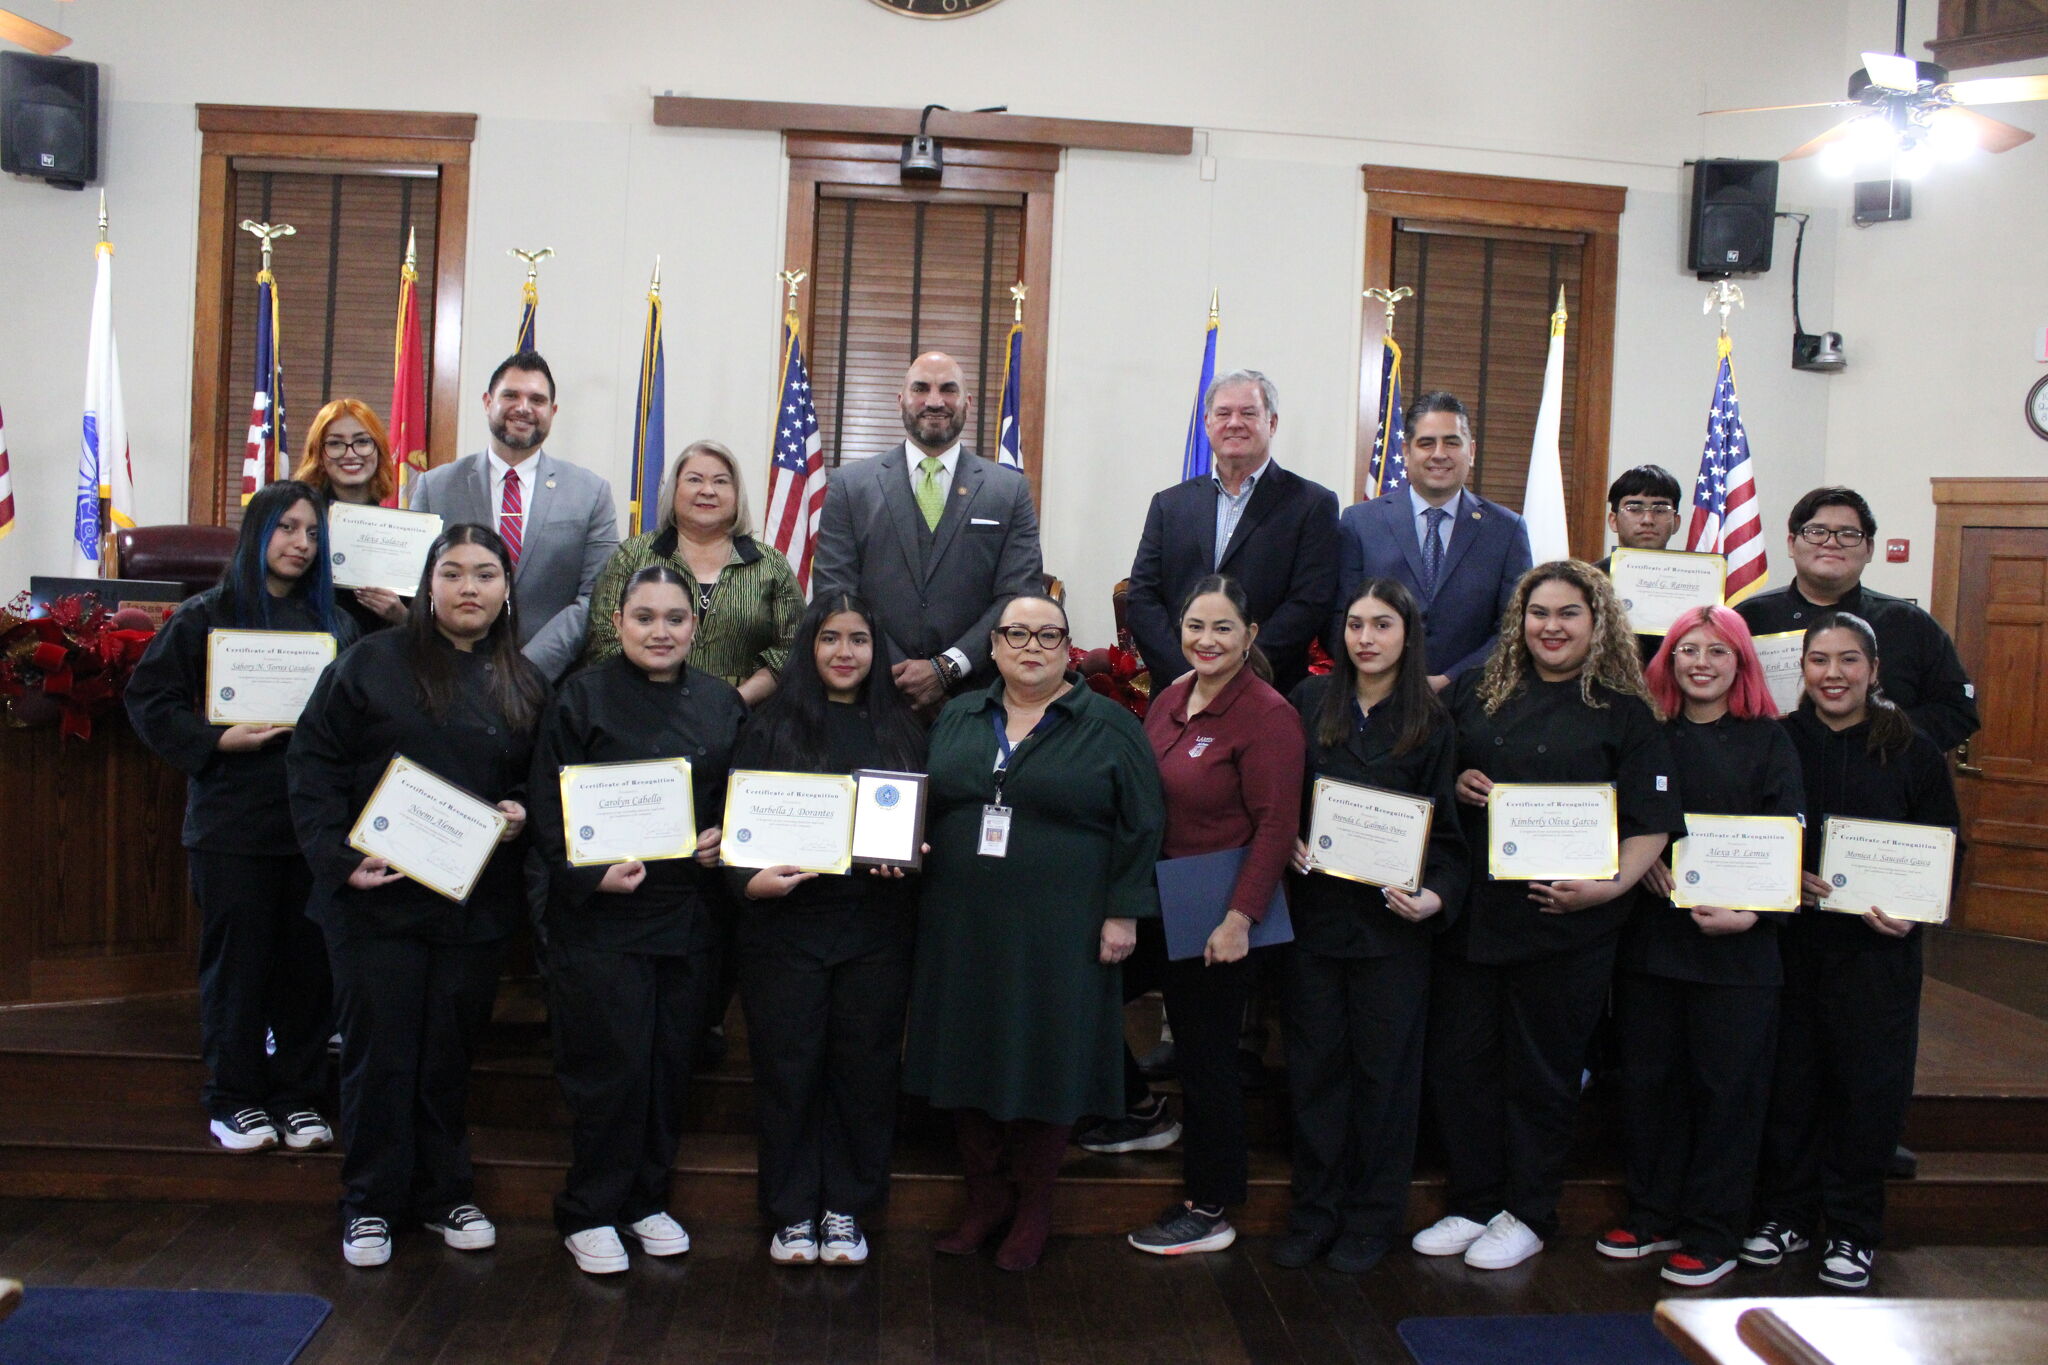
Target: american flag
{"x": 1388, "y": 470}
{"x": 266, "y": 410}
{"x": 1725, "y": 519}
{"x": 796, "y": 480}
{"x": 6, "y": 487}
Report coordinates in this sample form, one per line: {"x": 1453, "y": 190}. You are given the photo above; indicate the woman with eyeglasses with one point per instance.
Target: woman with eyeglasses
{"x": 262, "y": 966}
{"x": 348, "y": 459}
{"x": 1849, "y": 1030}
{"x": 1044, "y": 821}
{"x": 1696, "y": 1000}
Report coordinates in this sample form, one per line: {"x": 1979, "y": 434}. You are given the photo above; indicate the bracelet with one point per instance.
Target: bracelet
{"x": 1249, "y": 921}
{"x": 948, "y": 672}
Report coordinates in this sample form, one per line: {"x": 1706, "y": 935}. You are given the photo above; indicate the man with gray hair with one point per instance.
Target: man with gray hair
{"x": 1273, "y": 531}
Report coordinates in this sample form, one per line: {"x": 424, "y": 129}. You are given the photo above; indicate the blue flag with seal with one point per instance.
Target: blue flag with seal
{"x": 650, "y": 434}
{"x": 1194, "y": 461}
{"x": 1009, "y": 431}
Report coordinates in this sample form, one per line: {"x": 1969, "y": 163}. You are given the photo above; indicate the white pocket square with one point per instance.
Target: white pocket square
{"x": 983, "y": 521}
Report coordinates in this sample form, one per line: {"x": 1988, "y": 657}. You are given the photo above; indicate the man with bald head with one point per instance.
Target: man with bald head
{"x": 933, "y": 536}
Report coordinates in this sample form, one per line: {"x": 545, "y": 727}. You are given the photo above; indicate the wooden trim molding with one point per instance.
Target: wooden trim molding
{"x": 680, "y": 111}
{"x": 384, "y": 137}
{"x": 1963, "y": 36}
{"x": 1961, "y": 503}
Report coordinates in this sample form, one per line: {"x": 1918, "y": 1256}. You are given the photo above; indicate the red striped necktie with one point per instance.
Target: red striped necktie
{"x": 512, "y": 518}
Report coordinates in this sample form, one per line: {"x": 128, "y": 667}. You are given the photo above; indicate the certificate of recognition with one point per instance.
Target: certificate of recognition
{"x": 1906, "y": 871}
{"x": 622, "y": 812}
{"x": 263, "y": 677}
{"x": 1563, "y": 831}
{"x": 428, "y": 828}
{"x": 1364, "y": 834}
{"x": 1742, "y": 862}
{"x": 1782, "y": 656}
{"x": 379, "y": 547}
{"x": 1656, "y": 586}
{"x": 888, "y": 818}
{"x": 801, "y": 820}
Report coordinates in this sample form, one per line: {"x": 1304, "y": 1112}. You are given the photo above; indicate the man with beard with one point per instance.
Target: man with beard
{"x": 934, "y": 537}
{"x": 557, "y": 520}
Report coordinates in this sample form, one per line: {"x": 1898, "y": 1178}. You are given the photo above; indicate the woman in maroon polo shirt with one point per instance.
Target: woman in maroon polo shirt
{"x": 1230, "y": 762}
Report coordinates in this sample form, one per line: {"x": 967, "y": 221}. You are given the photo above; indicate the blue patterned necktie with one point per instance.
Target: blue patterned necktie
{"x": 1433, "y": 548}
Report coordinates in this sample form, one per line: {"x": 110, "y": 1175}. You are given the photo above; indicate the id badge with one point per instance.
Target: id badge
{"x": 995, "y": 831}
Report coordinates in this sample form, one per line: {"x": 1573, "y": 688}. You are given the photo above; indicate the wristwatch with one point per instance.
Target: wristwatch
{"x": 948, "y": 671}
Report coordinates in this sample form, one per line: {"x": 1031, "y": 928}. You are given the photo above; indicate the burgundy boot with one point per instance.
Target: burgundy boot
{"x": 990, "y": 1200}
{"x": 1036, "y": 1150}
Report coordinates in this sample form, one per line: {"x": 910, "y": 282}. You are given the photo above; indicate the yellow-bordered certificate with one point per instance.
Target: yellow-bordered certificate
{"x": 1907, "y": 871}
{"x": 1783, "y": 656}
{"x": 428, "y": 828}
{"x": 1366, "y": 834}
{"x": 1740, "y": 862}
{"x": 263, "y": 677}
{"x": 1556, "y": 831}
{"x": 800, "y": 820}
{"x": 624, "y": 812}
{"x": 1657, "y": 586}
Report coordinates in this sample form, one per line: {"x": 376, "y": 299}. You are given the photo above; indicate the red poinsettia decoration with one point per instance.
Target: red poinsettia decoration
{"x": 71, "y": 664}
{"x": 1319, "y": 660}
{"x": 1115, "y": 672}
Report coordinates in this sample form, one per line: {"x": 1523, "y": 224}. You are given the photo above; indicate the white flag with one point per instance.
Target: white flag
{"x": 1543, "y": 496}
{"x": 103, "y": 470}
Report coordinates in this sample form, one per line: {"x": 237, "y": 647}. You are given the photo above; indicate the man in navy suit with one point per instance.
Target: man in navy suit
{"x": 1273, "y": 531}
{"x": 1458, "y": 553}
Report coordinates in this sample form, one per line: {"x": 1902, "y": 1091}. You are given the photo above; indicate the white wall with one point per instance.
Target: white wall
{"x": 1593, "y": 90}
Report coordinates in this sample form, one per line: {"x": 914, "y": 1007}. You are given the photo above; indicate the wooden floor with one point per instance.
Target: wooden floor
{"x": 1092, "y": 1300}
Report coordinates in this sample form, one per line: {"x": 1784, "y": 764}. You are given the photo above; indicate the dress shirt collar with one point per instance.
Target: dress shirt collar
{"x": 499, "y": 469}
{"x": 1251, "y": 480}
{"x": 1418, "y": 505}
{"x": 1232, "y": 690}
{"x": 916, "y": 457}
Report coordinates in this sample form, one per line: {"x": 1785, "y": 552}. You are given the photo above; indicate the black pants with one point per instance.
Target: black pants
{"x": 1354, "y": 1071}
{"x": 1506, "y": 1046}
{"x": 1696, "y": 1065}
{"x": 411, "y": 1016}
{"x": 824, "y": 993}
{"x": 1848, "y": 1038}
{"x": 625, "y": 1028}
{"x": 1206, "y": 1005}
{"x": 262, "y": 968}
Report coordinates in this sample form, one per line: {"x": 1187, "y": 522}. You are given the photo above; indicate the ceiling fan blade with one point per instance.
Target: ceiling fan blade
{"x": 1891, "y": 71}
{"x": 1998, "y": 90}
{"x": 1987, "y": 133}
{"x": 1771, "y": 108}
{"x": 31, "y": 35}
{"x": 1834, "y": 134}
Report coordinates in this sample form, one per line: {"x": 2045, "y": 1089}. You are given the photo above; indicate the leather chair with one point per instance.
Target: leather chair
{"x": 1050, "y": 585}
{"x": 190, "y": 555}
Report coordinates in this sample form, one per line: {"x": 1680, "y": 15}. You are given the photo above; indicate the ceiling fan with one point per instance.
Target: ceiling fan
{"x": 31, "y": 35}
{"x": 1910, "y": 112}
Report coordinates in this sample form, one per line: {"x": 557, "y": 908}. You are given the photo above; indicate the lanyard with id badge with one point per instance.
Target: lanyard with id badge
{"x": 995, "y": 817}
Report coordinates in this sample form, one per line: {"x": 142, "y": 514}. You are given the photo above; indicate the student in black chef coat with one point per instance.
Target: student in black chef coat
{"x": 262, "y": 966}
{"x": 1697, "y": 997}
{"x": 415, "y": 972}
{"x": 1521, "y": 978}
{"x": 824, "y": 961}
{"x": 1850, "y": 1026}
{"x": 632, "y": 947}
{"x": 1356, "y": 981}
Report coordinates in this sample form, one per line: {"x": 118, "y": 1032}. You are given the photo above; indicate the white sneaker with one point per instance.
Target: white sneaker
{"x": 796, "y": 1244}
{"x": 844, "y": 1243}
{"x": 304, "y": 1130}
{"x": 1448, "y": 1236}
{"x": 660, "y": 1235}
{"x": 366, "y": 1242}
{"x": 249, "y": 1131}
{"x": 598, "y": 1251}
{"x": 465, "y": 1228}
{"x": 1507, "y": 1241}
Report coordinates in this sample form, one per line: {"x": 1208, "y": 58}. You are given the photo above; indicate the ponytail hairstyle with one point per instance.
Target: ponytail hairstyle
{"x": 791, "y": 722}
{"x": 515, "y": 687}
{"x": 245, "y": 582}
{"x": 1749, "y": 697}
{"x": 1416, "y": 709}
{"x": 660, "y": 572}
{"x": 1611, "y": 661}
{"x": 1891, "y": 729}
{"x": 1233, "y": 591}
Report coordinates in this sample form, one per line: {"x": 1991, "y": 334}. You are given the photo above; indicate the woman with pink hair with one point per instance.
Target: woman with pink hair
{"x": 1696, "y": 997}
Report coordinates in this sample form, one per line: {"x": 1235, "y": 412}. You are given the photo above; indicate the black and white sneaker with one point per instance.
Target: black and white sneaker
{"x": 1183, "y": 1229}
{"x": 249, "y": 1131}
{"x": 306, "y": 1131}
{"x": 367, "y": 1242}
{"x": 1771, "y": 1243}
{"x": 465, "y": 1228}
{"x": 1148, "y": 1128}
{"x": 843, "y": 1242}
{"x": 796, "y": 1244}
{"x": 1845, "y": 1265}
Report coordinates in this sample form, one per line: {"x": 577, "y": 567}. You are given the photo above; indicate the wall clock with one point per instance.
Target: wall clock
{"x": 2037, "y": 407}
{"x": 937, "y": 9}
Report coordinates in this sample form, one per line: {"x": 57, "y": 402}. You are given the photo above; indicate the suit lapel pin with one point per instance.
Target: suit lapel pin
{"x": 961, "y": 491}
{"x": 1475, "y": 515}
{"x": 551, "y": 484}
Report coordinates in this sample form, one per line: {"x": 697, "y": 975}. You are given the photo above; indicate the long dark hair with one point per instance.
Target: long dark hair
{"x": 245, "y": 582}
{"x": 1417, "y": 711}
{"x": 1891, "y": 729}
{"x": 1233, "y": 592}
{"x": 791, "y": 722}
{"x": 516, "y": 688}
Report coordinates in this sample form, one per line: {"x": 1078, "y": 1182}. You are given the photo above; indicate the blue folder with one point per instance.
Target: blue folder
{"x": 1194, "y": 896}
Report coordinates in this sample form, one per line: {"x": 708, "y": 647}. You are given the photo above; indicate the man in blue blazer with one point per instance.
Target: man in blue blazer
{"x": 1481, "y": 550}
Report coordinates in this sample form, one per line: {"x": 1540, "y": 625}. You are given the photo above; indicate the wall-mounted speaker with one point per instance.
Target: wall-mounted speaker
{"x": 1734, "y": 207}
{"x": 50, "y": 119}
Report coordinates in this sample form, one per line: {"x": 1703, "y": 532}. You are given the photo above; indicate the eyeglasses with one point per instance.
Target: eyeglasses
{"x": 1848, "y": 537}
{"x": 364, "y": 444}
{"x": 1693, "y": 653}
{"x": 1649, "y": 509}
{"x": 1048, "y": 637}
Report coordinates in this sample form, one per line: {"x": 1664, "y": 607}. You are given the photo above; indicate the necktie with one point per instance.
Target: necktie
{"x": 1433, "y": 548}
{"x": 512, "y": 518}
{"x": 931, "y": 491}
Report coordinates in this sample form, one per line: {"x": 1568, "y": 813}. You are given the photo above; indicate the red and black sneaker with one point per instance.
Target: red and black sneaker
{"x": 1695, "y": 1269}
{"x": 1627, "y": 1244}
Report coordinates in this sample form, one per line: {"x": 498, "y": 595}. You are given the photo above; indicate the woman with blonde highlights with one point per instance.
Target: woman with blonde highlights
{"x": 348, "y": 459}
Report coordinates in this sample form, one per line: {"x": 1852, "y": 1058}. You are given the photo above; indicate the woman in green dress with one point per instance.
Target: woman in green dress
{"x": 747, "y": 596}
{"x": 1044, "y": 824}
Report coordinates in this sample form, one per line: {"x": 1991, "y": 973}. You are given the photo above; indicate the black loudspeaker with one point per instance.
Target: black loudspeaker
{"x": 1734, "y": 208}
{"x": 50, "y": 119}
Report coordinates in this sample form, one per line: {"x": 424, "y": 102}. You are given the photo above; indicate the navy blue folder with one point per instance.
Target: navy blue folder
{"x": 1194, "y": 896}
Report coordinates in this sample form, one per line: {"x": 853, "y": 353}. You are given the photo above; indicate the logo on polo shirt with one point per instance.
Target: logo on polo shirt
{"x": 1200, "y": 744}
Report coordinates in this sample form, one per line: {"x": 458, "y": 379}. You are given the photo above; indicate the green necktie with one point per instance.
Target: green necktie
{"x": 931, "y": 493}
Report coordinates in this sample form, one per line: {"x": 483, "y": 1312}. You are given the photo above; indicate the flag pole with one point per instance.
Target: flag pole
{"x": 1382, "y": 441}
{"x": 106, "y": 504}
{"x": 267, "y": 234}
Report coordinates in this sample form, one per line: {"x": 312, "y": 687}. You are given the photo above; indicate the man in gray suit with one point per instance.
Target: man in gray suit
{"x": 556, "y": 519}
{"x": 936, "y": 538}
